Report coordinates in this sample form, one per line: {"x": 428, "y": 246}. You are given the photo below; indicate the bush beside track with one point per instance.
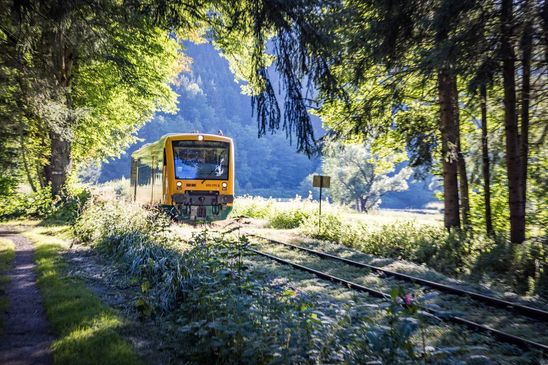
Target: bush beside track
{"x": 466, "y": 255}
{"x": 226, "y": 313}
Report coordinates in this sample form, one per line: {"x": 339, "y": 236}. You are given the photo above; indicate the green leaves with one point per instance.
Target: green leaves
{"x": 360, "y": 176}
{"x": 120, "y": 98}
{"x": 220, "y": 310}
{"x": 91, "y": 72}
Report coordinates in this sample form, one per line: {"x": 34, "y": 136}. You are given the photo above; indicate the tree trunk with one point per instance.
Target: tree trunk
{"x": 449, "y": 140}
{"x": 544, "y": 16}
{"x": 363, "y": 204}
{"x": 485, "y": 164}
{"x": 59, "y": 163}
{"x": 526, "y": 47}
{"x": 41, "y": 172}
{"x": 513, "y": 161}
{"x": 63, "y": 60}
{"x": 461, "y": 162}
{"x": 25, "y": 162}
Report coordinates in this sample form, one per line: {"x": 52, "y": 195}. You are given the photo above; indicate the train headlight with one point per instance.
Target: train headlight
{"x": 200, "y": 138}
{"x": 179, "y": 184}
{"x": 224, "y": 185}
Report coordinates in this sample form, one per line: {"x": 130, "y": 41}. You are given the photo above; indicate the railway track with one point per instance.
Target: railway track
{"x": 492, "y": 301}
{"x": 530, "y": 312}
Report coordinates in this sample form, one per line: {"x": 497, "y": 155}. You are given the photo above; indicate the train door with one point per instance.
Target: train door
{"x": 165, "y": 179}
{"x": 133, "y": 177}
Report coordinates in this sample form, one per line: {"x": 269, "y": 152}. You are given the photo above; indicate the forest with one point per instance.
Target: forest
{"x": 460, "y": 91}
{"x": 404, "y": 104}
{"x": 207, "y": 97}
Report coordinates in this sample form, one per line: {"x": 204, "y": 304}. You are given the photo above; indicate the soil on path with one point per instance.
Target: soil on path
{"x": 27, "y": 336}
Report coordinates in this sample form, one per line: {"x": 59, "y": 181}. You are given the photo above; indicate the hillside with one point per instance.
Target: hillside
{"x": 210, "y": 100}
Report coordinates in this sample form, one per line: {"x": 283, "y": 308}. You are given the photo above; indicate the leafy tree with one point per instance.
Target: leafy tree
{"x": 87, "y": 75}
{"x": 360, "y": 177}
{"x": 395, "y": 42}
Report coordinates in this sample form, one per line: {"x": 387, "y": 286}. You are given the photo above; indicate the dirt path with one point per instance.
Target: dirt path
{"x": 27, "y": 337}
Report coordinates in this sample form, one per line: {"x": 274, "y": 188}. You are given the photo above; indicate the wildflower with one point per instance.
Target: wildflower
{"x": 408, "y": 299}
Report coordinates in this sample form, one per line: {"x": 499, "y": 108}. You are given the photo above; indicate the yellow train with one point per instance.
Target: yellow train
{"x": 191, "y": 174}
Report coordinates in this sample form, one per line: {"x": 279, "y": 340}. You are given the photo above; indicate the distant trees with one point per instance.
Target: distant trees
{"x": 210, "y": 101}
{"x": 359, "y": 177}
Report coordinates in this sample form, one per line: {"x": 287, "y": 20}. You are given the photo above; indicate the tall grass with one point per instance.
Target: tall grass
{"x": 521, "y": 268}
{"x": 286, "y": 214}
{"x": 224, "y": 312}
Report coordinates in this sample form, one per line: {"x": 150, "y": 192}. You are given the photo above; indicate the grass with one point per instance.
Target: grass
{"x": 296, "y": 212}
{"x": 416, "y": 237}
{"x": 87, "y": 330}
{"x": 225, "y": 307}
{"x": 7, "y": 253}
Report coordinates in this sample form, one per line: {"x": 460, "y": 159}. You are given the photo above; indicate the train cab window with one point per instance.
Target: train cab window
{"x": 201, "y": 160}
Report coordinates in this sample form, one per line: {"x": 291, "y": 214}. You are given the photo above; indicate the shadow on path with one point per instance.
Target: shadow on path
{"x": 27, "y": 337}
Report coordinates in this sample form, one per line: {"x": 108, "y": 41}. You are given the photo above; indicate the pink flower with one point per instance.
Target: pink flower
{"x": 408, "y": 299}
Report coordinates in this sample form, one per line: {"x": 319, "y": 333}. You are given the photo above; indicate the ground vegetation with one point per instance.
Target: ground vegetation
{"x": 7, "y": 253}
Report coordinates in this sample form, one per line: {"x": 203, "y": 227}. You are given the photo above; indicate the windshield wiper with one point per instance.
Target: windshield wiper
{"x": 208, "y": 175}
{"x": 219, "y": 166}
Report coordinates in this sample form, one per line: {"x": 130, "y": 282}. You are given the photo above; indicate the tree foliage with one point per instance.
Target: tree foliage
{"x": 360, "y": 177}
{"x": 82, "y": 78}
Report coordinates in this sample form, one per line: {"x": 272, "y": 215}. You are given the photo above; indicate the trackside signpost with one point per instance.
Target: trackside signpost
{"x": 321, "y": 181}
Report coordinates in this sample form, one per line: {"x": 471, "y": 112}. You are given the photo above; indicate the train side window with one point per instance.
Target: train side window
{"x": 144, "y": 175}
{"x": 165, "y": 159}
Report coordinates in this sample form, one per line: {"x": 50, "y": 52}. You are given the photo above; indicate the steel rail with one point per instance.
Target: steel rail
{"x": 503, "y": 336}
{"x": 495, "y": 302}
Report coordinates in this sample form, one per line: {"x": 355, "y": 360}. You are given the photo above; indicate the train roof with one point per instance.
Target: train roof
{"x": 158, "y": 146}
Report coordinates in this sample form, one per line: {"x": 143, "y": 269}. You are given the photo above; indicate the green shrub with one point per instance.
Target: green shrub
{"x": 41, "y": 205}
{"x": 11, "y": 206}
{"x": 281, "y": 215}
{"x": 287, "y": 218}
{"x": 224, "y": 312}
{"x": 37, "y": 204}
{"x": 330, "y": 228}
{"x": 252, "y": 207}
{"x": 522, "y": 267}
{"x": 461, "y": 254}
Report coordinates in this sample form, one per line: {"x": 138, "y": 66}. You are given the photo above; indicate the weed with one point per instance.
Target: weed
{"x": 7, "y": 253}
{"x": 87, "y": 329}
{"x": 225, "y": 312}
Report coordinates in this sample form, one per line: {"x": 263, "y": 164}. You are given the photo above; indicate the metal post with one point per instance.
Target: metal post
{"x": 320, "y": 215}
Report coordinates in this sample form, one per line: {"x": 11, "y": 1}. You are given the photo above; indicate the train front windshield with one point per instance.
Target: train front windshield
{"x": 201, "y": 160}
